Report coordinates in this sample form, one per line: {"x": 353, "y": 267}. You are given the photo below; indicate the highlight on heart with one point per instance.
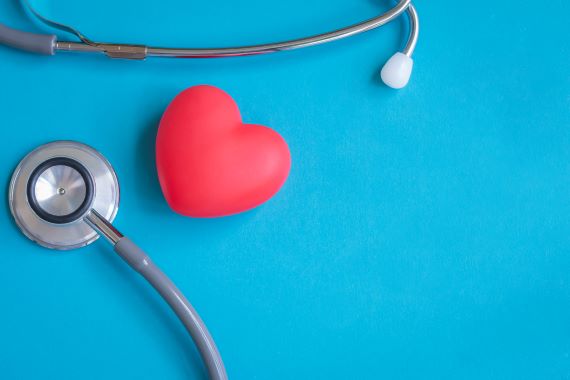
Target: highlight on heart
{"x": 210, "y": 163}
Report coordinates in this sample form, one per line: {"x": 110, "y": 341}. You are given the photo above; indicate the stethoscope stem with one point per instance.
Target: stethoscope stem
{"x": 103, "y": 227}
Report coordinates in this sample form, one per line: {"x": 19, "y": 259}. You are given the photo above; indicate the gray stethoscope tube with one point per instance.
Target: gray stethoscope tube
{"x": 49, "y": 44}
{"x": 139, "y": 261}
{"x": 64, "y": 195}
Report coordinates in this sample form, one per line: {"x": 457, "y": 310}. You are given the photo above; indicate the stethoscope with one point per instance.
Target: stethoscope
{"x": 395, "y": 73}
{"x": 64, "y": 195}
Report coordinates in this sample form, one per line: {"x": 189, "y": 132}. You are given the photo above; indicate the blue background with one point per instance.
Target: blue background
{"x": 422, "y": 233}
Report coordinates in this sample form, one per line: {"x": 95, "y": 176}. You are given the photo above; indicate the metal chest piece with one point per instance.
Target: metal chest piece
{"x": 55, "y": 186}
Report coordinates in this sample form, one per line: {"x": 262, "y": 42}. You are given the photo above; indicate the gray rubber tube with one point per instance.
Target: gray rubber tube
{"x": 139, "y": 261}
{"x": 32, "y": 42}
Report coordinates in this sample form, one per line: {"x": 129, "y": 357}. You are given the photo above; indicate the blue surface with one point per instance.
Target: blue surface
{"x": 421, "y": 234}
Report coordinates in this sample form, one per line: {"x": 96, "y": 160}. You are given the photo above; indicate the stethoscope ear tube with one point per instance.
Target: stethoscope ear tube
{"x": 32, "y": 42}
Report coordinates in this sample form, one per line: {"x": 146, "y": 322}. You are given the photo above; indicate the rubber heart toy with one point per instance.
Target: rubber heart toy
{"x": 210, "y": 163}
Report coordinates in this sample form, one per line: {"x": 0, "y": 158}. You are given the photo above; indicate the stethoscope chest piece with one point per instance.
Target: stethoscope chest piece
{"x": 64, "y": 195}
{"x": 55, "y": 186}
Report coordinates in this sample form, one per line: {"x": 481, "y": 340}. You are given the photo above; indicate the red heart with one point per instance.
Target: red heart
{"x": 212, "y": 164}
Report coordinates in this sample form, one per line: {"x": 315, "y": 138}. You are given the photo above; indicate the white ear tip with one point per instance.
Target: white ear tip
{"x": 397, "y": 71}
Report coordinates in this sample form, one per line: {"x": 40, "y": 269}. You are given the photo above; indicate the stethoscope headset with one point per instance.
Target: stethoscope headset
{"x": 395, "y": 73}
{"x": 64, "y": 195}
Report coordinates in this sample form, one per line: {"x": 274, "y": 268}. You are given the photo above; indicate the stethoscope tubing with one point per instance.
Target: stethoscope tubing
{"x": 138, "y": 260}
{"x": 141, "y": 263}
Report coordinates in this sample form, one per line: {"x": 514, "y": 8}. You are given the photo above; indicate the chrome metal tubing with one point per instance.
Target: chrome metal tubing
{"x": 103, "y": 227}
{"x": 130, "y": 51}
{"x": 414, "y": 31}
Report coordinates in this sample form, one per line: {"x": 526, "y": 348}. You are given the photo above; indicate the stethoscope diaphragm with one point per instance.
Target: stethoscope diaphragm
{"x": 55, "y": 186}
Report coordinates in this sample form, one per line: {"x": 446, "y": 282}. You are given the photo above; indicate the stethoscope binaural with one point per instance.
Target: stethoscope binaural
{"x": 64, "y": 195}
{"x": 395, "y": 73}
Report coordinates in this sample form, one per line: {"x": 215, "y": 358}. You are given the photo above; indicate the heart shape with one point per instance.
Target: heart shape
{"x": 210, "y": 163}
